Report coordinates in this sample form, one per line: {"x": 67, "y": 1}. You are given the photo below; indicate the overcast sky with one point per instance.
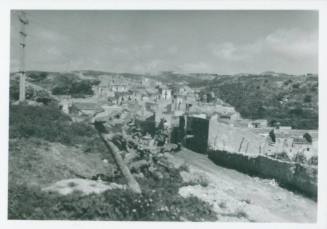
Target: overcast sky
{"x": 225, "y": 42}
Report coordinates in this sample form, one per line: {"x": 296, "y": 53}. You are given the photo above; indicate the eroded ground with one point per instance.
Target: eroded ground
{"x": 239, "y": 197}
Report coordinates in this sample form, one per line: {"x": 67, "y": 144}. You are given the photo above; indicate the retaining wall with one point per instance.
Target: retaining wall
{"x": 229, "y": 138}
{"x": 291, "y": 175}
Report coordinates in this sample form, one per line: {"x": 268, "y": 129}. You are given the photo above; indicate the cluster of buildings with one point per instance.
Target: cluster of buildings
{"x": 189, "y": 117}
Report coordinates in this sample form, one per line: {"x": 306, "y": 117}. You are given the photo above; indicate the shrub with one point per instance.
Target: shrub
{"x": 240, "y": 213}
{"x": 296, "y": 86}
{"x": 313, "y": 160}
{"x": 300, "y": 158}
{"x": 307, "y": 137}
{"x": 14, "y": 91}
{"x": 69, "y": 85}
{"x": 61, "y": 90}
{"x": 37, "y": 76}
{"x": 287, "y": 82}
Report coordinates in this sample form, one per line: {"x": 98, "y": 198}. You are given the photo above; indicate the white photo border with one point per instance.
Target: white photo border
{"x": 5, "y": 9}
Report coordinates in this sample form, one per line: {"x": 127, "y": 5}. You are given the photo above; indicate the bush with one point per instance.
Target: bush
{"x": 313, "y": 160}
{"x": 61, "y": 90}
{"x": 37, "y": 76}
{"x": 69, "y": 85}
{"x": 307, "y": 137}
{"x": 300, "y": 158}
{"x": 14, "y": 91}
{"x": 296, "y": 86}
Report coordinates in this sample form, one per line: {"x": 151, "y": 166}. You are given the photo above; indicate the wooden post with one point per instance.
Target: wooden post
{"x": 113, "y": 149}
{"x": 22, "y": 90}
{"x": 239, "y": 149}
{"x": 247, "y": 147}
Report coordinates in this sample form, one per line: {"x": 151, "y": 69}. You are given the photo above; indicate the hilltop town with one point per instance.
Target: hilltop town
{"x": 150, "y": 101}
{"x": 154, "y": 123}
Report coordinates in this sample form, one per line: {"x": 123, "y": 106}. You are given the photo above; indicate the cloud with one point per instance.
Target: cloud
{"x": 285, "y": 44}
{"x": 152, "y": 66}
{"x": 233, "y": 52}
{"x": 53, "y": 51}
{"x": 295, "y": 43}
{"x": 49, "y": 35}
{"x": 196, "y": 67}
{"x": 132, "y": 51}
{"x": 172, "y": 50}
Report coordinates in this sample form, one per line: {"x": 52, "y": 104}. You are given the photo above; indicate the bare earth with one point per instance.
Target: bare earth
{"x": 238, "y": 197}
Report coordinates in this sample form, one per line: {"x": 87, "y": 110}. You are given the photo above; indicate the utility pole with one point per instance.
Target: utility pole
{"x": 22, "y": 43}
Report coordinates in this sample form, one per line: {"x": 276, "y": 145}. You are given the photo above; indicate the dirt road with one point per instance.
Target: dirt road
{"x": 238, "y": 197}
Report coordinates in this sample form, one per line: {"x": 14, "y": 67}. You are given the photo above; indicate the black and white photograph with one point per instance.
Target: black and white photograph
{"x": 164, "y": 115}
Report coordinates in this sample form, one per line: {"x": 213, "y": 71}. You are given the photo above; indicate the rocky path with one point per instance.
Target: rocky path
{"x": 238, "y": 197}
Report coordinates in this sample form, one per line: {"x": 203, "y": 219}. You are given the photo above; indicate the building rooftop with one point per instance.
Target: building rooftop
{"x": 87, "y": 106}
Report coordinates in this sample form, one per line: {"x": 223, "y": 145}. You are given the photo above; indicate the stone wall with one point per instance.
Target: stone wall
{"x": 291, "y": 175}
{"x": 224, "y": 136}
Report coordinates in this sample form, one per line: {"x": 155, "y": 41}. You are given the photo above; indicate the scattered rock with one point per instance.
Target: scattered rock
{"x": 195, "y": 178}
{"x": 105, "y": 161}
{"x": 85, "y": 187}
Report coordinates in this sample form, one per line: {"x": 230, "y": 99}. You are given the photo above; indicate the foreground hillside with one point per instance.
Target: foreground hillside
{"x": 290, "y": 100}
{"x": 47, "y": 148}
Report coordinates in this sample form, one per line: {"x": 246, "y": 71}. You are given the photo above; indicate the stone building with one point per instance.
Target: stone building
{"x": 258, "y": 123}
{"x": 166, "y": 93}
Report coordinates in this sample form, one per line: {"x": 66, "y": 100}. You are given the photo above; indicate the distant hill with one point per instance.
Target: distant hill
{"x": 192, "y": 79}
{"x": 290, "y": 100}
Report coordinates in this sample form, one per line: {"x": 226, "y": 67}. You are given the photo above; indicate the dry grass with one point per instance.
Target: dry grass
{"x": 38, "y": 162}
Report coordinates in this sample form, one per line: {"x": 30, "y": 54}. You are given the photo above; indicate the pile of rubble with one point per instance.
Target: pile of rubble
{"x": 142, "y": 155}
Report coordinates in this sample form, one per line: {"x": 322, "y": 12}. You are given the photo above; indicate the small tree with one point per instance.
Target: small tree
{"x": 272, "y": 135}
{"x": 307, "y": 137}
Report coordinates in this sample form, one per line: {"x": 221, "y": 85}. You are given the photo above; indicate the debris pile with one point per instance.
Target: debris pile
{"x": 142, "y": 153}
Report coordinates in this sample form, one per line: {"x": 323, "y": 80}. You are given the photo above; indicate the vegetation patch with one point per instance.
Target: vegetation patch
{"x": 48, "y": 123}
{"x": 37, "y": 162}
{"x": 159, "y": 201}
{"x": 289, "y": 100}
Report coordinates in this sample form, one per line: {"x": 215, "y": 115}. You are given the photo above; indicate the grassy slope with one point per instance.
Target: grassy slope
{"x": 35, "y": 162}
{"x": 46, "y": 147}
